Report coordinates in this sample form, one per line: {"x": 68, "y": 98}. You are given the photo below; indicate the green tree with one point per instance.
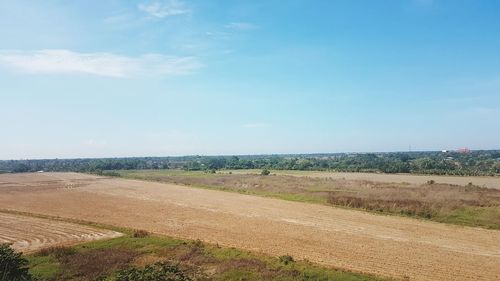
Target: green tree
{"x": 13, "y": 267}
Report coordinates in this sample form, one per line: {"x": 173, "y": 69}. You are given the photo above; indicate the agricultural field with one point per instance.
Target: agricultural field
{"x": 356, "y": 241}
{"x": 456, "y": 200}
{"x": 139, "y": 251}
{"x": 28, "y": 234}
{"x": 482, "y": 181}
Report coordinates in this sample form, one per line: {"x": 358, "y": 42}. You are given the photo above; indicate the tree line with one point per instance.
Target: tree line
{"x": 475, "y": 163}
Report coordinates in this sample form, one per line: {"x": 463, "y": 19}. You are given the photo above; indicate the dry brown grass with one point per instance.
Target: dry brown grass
{"x": 139, "y": 233}
{"x": 188, "y": 254}
{"x": 370, "y": 195}
{"x": 94, "y": 263}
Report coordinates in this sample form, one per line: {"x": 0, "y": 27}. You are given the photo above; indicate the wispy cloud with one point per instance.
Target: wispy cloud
{"x": 165, "y": 8}
{"x": 100, "y": 64}
{"x": 241, "y": 25}
{"x": 256, "y": 125}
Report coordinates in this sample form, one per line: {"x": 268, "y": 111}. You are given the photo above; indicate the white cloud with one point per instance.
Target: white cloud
{"x": 241, "y": 25}
{"x": 100, "y": 64}
{"x": 256, "y": 125}
{"x": 165, "y": 8}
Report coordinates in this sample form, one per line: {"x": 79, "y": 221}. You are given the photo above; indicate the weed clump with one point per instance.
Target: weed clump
{"x": 139, "y": 233}
{"x": 161, "y": 271}
{"x": 58, "y": 252}
{"x": 286, "y": 259}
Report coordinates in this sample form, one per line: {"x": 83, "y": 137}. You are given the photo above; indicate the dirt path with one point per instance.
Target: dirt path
{"x": 354, "y": 240}
{"x": 28, "y": 234}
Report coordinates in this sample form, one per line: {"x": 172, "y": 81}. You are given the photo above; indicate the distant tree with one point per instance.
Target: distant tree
{"x": 21, "y": 168}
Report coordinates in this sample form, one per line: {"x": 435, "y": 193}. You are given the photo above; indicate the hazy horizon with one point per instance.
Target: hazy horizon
{"x": 91, "y": 79}
{"x": 245, "y": 155}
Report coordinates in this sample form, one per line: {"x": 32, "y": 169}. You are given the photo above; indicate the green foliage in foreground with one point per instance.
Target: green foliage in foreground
{"x": 13, "y": 266}
{"x": 173, "y": 259}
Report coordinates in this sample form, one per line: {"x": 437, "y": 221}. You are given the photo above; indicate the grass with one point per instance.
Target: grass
{"x": 467, "y": 205}
{"x": 200, "y": 261}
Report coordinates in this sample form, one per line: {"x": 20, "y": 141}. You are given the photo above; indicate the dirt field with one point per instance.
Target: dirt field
{"x": 354, "y": 240}
{"x": 28, "y": 234}
{"x": 467, "y": 205}
{"x": 490, "y": 182}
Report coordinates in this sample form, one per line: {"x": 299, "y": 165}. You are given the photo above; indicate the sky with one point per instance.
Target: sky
{"x": 115, "y": 78}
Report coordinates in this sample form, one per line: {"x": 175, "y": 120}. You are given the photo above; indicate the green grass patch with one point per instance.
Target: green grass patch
{"x": 200, "y": 261}
{"x": 469, "y": 216}
{"x": 44, "y": 267}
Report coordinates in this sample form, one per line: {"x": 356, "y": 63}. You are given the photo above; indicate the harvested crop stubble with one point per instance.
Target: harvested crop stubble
{"x": 353, "y": 240}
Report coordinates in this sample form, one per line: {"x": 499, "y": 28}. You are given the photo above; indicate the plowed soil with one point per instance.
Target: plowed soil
{"x": 27, "y": 234}
{"x": 354, "y": 240}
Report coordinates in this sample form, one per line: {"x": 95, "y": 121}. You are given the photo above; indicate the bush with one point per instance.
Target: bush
{"x": 13, "y": 266}
{"x": 140, "y": 233}
{"x": 58, "y": 252}
{"x": 99, "y": 262}
{"x": 160, "y": 271}
{"x": 265, "y": 172}
{"x": 286, "y": 259}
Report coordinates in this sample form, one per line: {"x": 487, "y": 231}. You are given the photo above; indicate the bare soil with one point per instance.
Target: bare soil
{"x": 348, "y": 239}
{"x": 28, "y": 234}
{"x": 468, "y": 205}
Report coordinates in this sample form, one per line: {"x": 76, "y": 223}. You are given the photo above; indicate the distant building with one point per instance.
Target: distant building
{"x": 444, "y": 151}
{"x": 463, "y": 150}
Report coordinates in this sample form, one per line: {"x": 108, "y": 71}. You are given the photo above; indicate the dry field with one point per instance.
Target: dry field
{"x": 469, "y": 205}
{"x": 489, "y": 182}
{"x": 28, "y": 234}
{"x": 354, "y": 240}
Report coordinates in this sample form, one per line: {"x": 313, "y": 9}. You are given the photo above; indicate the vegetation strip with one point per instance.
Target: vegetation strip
{"x": 470, "y": 163}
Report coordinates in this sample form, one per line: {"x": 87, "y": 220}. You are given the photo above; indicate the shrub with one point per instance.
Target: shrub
{"x": 431, "y": 182}
{"x": 13, "y": 266}
{"x": 286, "y": 259}
{"x": 160, "y": 271}
{"x": 265, "y": 172}
{"x": 95, "y": 263}
{"x": 140, "y": 233}
{"x": 58, "y": 252}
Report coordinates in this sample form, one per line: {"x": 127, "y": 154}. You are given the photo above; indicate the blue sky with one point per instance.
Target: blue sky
{"x": 176, "y": 77}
